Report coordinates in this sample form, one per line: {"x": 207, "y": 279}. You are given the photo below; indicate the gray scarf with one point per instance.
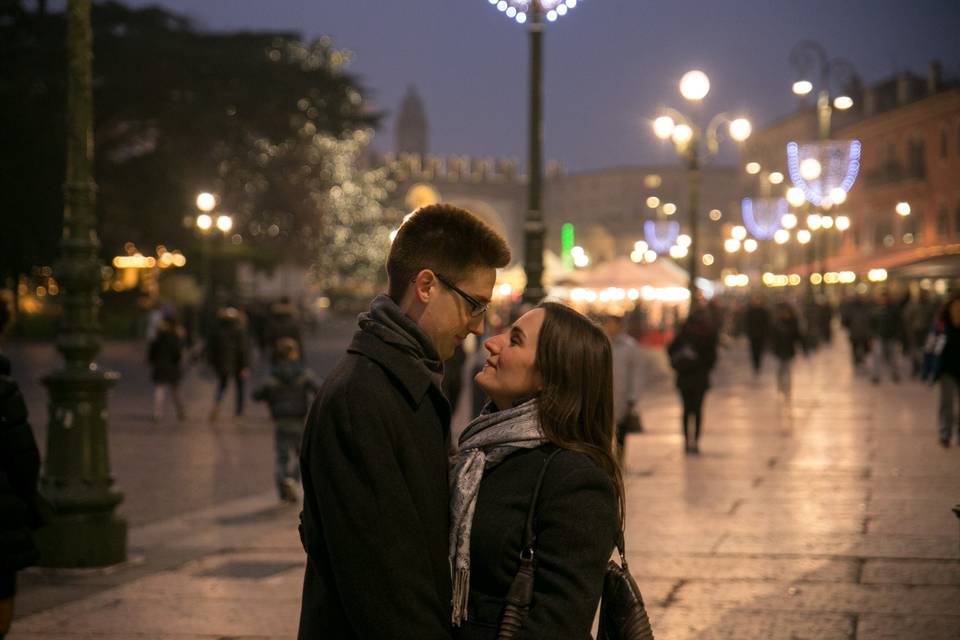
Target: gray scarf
{"x": 386, "y": 321}
{"x": 487, "y": 440}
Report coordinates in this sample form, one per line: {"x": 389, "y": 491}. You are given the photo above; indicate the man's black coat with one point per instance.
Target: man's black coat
{"x": 375, "y": 520}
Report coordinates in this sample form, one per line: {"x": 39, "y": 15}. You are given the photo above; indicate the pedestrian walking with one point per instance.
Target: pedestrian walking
{"x": 918, "y": 317}
{"x": 756, "y": 324}
{"x": 550, "y": 380}
{"x": 628, "y": 373}
{"x": 693, "y": 354}
{"x": 947, "y": 370}
{"x": 887, "y": 331}
{"x": 283, "y": 322}
{"x": 288, "y": 392}
{"x": 857, "y": 320}
{"x": 20, "y": 512}
{"x": 375, "y": 519}
{"x": 165, "y": 355}
{"x": 785, "y": 336}
{"x": 228, "y": 353}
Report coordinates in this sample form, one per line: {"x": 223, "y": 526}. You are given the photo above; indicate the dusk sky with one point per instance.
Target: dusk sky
{"x": 608, "y": 64}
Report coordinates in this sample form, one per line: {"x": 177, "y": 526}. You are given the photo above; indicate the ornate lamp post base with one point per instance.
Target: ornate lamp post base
{"x": 85, "y": 530}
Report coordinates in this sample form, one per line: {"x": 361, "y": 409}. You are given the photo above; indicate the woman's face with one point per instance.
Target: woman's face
{"x": 510, "y": 372}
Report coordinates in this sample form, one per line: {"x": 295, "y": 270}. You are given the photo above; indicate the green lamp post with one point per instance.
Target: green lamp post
{"x": 85, "y": 530}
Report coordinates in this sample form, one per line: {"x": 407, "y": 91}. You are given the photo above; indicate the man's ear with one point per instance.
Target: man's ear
{"x": 423, "y": 284}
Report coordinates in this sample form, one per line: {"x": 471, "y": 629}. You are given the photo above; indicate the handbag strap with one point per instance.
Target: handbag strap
{"x": 529, "y": 537}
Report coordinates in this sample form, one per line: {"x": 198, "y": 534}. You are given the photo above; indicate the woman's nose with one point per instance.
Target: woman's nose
{"x": 492, "y": 345}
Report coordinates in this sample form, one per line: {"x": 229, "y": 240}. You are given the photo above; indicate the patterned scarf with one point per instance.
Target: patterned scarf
{"x": 487, "y": 440}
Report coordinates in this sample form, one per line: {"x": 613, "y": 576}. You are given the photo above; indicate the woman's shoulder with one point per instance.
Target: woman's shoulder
{"x": 571, "y": 471}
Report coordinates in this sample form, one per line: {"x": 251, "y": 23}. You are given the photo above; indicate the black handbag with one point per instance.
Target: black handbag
{"x": 623, "y": 615}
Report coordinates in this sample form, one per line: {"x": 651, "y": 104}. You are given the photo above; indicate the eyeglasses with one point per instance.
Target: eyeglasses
{"x": 477, "y": 308}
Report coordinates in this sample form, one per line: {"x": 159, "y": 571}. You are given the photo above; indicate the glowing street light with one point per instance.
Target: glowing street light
{"x": 224, "y": 223}
{"x": 814, "y": 221}
{"x": 663, "y": 127}
{"x": 802, "y": 87}
{"x": 796, "y": 197}
{"x": 206, "y": 201}
{"x": 694, "y": 85}
{"x": 682, "y": 134}
{"x": 842, "y": 102}
{"x": 653, "y": 202}
{"x": 731, "y": 245}
{"x": 738, "y": 232}
{"x": 826, "y": 222}
{"x": 782, "y": 236}
{"x": 204, "y": 222}
{"x": 669, "y": 208}
{"x": 838, "y": 195}
{"x": 803, "y": 236}
{"x": 775, "y": 178}
{"x": 788, "y": 221}
{"x": 903, "y": 208}
{"x": 753, "y": 168}
{"x": 842, "y": 223}
{"x": 750, "y": 245}
{"x": 740, "y": 129}
{"x": 683, "y": 240}
{"x": 810, "y": 169}
{"x": 707, "y": 259}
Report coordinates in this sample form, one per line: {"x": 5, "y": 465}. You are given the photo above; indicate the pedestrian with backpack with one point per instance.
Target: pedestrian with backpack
{"x": 288, "y": 392}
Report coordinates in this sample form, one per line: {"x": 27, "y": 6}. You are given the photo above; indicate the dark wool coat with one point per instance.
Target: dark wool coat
{"x": 576, "y": 527}
{"x": 698, "y": 336}
{"x": 375, "y": 519}
{"x": 19, "y": 467}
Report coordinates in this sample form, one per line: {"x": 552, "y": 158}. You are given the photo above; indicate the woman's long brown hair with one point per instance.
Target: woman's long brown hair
{"x": 575, "y": 362}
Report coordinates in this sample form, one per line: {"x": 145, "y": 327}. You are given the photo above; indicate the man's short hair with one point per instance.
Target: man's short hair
{"x": 444, "y": 239}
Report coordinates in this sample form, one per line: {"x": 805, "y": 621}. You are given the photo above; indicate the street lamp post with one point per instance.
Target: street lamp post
{"x": 85, "y": 531}
{"x": 809, "y": 57}
{"x": 533, "y": 13}
{"x": 687, "y": 136}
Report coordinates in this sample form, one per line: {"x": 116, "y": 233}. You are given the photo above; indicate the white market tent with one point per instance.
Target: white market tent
{"x": 623, "y": 273}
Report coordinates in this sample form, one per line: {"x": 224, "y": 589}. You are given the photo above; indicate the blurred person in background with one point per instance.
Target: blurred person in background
{"x": 947, "y": 369}
{"x": 693, "y": 354}
{"x": 919, "y": 315}
{"x": 887, "y": 330}
{"x": 165, "y": 355}
{"x": 228, "y": 353}
{"x": 785, "y": 337}
{"x": 756, "y": 323}
{"x": 628, "y": 376}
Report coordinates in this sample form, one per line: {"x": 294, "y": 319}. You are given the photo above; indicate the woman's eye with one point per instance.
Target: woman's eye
{"x": 514, "y": 341}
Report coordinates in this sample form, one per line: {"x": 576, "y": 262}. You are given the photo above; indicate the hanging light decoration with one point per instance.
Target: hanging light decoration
{"x": 838, "y": 161}
{"x": 763, "y": 216}
{"x": 661, "y": 234}
{"x": 519, "y": 10}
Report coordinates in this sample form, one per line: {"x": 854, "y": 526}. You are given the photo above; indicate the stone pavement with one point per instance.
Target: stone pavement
{"x": 824, "y": 517}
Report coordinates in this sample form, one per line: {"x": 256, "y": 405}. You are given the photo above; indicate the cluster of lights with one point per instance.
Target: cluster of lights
{"x": 205, "y": 222}
{"x": 616, "y": 294}
{"x": 833, "y": 277}
{"x": 518, "y": 9}
{"x": 877, "y": 275}
{"x": 167, "y": 260}
{"x": 781, "y": 280}
{"x": 580, "y": 257}
{"x": 764, "y": 217}
{"x": 642, "y": 252}
{"x": 739, "y": 240}
{"x": 803, "y": 87}
{"x": 734, "y": 280}
{"x": 822, "y": 187}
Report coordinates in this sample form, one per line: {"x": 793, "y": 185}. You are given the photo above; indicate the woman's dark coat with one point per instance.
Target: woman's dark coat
{"x": 376, "y": 500}
{"x": 165, "y": 354}
{"x": 576, "y": 527}
{"x": 19, "y": 468}
{"x": 785, "y": 335}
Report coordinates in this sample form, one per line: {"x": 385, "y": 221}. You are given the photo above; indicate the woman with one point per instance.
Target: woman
{"x": 693, "y": 353}
{"x": 549, "y": 379}
{"x": 948, "y": 370}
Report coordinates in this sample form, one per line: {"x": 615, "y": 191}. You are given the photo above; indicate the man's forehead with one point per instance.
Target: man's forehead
{"x": 479, "y": 282}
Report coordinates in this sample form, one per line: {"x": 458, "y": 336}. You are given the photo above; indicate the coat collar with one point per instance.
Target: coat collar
{"x": 411, "y": 375}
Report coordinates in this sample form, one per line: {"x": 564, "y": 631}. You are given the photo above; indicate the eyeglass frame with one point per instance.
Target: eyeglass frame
{"x": 479, "y": 308}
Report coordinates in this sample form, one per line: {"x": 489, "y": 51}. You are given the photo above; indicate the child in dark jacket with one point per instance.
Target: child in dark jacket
{"x": 288, "y": 391}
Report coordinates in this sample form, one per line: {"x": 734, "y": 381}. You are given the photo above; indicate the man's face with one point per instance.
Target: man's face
{"x": 447, "y": 319}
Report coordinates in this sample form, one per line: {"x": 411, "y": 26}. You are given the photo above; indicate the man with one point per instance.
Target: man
{"x": 375, "y": 521}
{"x": 627, "y": 380}
{"x": 888, "y": 330}
{"x": 756, "y": 323}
